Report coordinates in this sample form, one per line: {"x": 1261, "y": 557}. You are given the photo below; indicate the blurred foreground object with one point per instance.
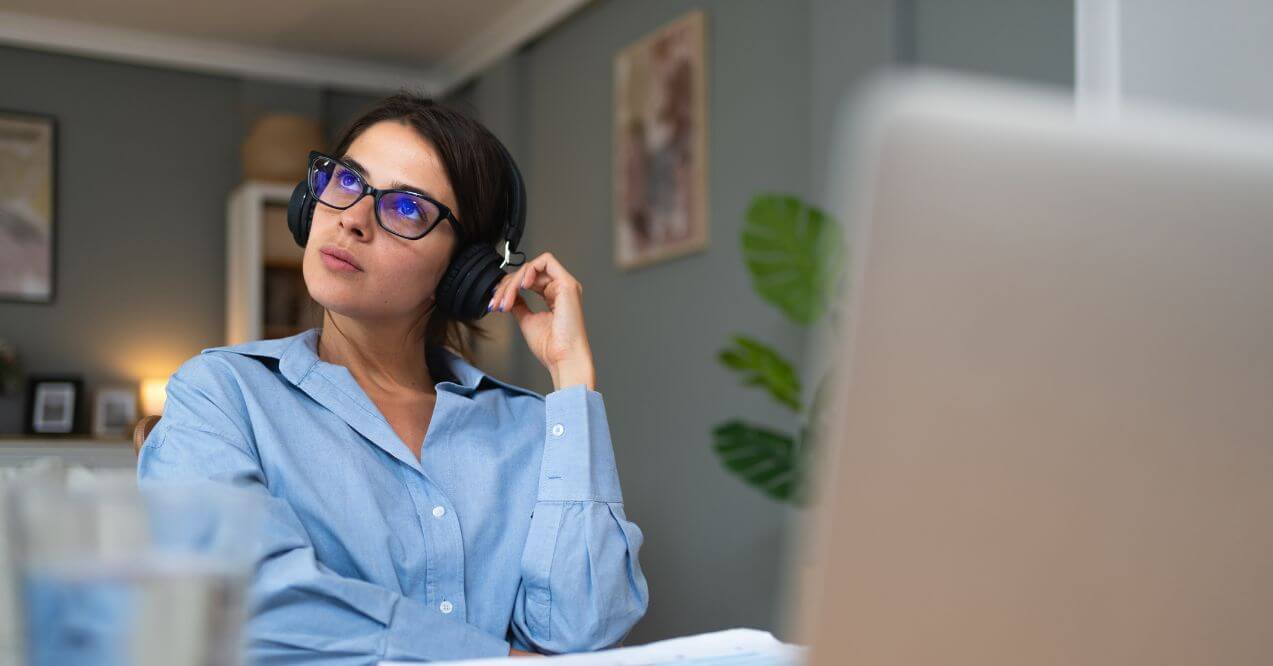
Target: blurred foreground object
{"x": 107, "y": 574}
{"x": 1052, "y": 444}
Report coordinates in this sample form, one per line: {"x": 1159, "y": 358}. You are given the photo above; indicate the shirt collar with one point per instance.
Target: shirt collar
{"x": 297, "y": 356}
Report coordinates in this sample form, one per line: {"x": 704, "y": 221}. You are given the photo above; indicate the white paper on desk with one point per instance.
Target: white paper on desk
{"x": 735, "y": 647}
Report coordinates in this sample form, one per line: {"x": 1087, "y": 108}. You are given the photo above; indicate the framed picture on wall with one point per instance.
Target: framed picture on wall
{"x": 28, "y": 192}
{"x": 53, "y": 405}
{"x": 660, "y": 144}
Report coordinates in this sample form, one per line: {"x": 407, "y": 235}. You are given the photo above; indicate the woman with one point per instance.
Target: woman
{"x": 416, "y": 508}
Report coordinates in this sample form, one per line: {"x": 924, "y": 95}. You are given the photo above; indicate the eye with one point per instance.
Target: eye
{"x": 407, "y": 208}
{"x": 347, "y": 179}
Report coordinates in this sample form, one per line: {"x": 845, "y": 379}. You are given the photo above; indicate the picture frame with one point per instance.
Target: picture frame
{"x": 660, "y": 144}
{"x": 54, "y": 405}
{"x": 28, "y": 206}
{"x": 114, "y": 411}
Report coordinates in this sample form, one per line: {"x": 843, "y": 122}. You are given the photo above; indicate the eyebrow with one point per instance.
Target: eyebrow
{"x": 395, "y": 185}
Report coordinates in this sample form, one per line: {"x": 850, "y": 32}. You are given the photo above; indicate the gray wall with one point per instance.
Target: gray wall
{"x": 146, "y": 158}
{"x": 1029, "y": 40}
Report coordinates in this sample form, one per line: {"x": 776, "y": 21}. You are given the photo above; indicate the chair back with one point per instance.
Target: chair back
{"x": 141, "y": 431}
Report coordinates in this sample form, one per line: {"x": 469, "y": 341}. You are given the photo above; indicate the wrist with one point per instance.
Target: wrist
{"x": 574, "y": 371}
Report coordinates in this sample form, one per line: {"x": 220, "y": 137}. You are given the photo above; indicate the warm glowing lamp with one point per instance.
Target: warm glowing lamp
{"x": 153, "y": 394}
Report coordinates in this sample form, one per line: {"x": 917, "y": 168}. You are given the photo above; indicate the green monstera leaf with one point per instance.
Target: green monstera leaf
{"x": 792, "y": 251}
{"x": 761, "y": 366}
{"x": 768, "y": 460}
{"x": 774, "y": 462}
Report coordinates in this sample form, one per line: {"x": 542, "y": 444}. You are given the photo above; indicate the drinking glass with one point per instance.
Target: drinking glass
{"x": 110, "y": 574}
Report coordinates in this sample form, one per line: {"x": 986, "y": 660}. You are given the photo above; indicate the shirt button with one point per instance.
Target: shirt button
{"x": 558, "y": 429}
{"x": 446, "y": 607}
{"x": 438, "y": 512}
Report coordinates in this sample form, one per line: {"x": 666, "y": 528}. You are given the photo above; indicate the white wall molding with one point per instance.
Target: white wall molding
{"x": 504, "y": 36}
{"x": 211, "y": 57}
{"x": 483, "y": 48}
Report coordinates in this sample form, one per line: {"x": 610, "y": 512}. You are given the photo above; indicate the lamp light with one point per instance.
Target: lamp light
{"x": 153, "y": 394}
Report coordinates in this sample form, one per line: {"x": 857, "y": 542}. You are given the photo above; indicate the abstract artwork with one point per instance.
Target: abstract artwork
{"x": 660, "y": 144}
{"x": 27, "y": 193}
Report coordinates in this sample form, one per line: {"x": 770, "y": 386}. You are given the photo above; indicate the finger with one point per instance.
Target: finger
{"x": 539, "y": 280}
{"x": 521, "y": 309}
{"x": 515, "y": 285}
{"x": 527, "y": 276}
{"x": 502, "y": 288}
{"x": 549, "y": 264}
{"x": 498, "y": 293}
{"x": 528, "y": 280}
{"x": 538, "y": 283}
{"x": 510, "y": 290}
{"x": 558, "y": 291}
{"x": 505, "y": 302}
{"x": 490, "y": 305}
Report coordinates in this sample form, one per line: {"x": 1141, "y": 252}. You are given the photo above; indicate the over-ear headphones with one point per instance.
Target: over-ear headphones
{"x": 470, "y": 278}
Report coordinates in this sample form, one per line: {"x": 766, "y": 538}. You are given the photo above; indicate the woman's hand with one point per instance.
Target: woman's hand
{"x": 556, "y": 336}
{"x": 514, "y": 652}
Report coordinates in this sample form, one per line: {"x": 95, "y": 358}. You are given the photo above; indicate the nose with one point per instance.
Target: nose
{"x": 358, "y": 218}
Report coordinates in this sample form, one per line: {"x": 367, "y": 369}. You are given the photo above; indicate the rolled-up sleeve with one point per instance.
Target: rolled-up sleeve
{"x": 582, "y": 587}
{"x": 299, "y": 608}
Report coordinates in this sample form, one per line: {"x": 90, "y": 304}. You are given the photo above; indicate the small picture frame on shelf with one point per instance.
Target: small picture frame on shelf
{"x": 53, "y": 405}
{"x": 114, "y": 411}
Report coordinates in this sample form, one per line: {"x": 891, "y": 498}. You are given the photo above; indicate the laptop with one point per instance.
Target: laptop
{"x": 1052, "y": 441}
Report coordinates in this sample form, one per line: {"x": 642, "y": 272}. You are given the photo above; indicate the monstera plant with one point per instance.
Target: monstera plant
{"x": 793, "y": 253}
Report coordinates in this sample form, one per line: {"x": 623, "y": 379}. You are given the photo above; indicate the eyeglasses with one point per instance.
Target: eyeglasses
{"x": 400, "y": 212}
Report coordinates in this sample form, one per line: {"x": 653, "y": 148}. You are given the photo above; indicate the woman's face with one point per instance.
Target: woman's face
{"x": 395, "y": 278}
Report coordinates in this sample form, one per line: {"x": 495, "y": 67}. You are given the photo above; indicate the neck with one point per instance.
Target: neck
{"x": 382, "y": 355}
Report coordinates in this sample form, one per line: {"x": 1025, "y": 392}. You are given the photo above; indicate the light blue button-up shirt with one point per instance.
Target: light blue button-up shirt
{"x": 509, "y": 530}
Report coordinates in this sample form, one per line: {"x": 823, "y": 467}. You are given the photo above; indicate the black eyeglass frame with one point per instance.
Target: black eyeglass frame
{"x": 376, "y": 193}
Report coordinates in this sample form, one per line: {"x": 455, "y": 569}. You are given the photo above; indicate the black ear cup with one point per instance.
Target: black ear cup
{"x": 300, "y": 212}
{"x": 469, "y": 282}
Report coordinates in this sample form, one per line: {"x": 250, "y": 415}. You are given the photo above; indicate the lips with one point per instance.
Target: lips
{"x": 342, "y": 255}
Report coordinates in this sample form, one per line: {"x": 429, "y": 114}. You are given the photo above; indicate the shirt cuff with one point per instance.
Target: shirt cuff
{"x": 578, "y": 464}
{"x": 419, "y": 632}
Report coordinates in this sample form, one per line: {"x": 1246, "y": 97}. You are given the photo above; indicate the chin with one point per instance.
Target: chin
{"x": 355, "y": 300}
{"x": 343, "y": 299}
{"x": 337, "y": 294}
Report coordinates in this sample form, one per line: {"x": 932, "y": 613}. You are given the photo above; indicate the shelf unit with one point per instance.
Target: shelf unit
{"x": 92, "y": 452}
{"x": 257, "y": 239}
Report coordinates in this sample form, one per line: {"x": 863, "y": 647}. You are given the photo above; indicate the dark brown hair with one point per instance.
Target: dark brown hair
{"x": 476, "y": 169}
